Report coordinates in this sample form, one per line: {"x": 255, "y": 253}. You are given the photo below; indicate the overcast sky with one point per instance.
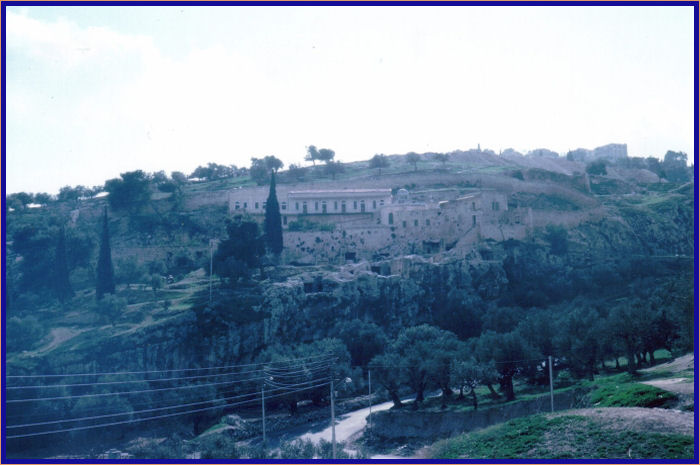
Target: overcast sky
{"x": 96, "y": 91}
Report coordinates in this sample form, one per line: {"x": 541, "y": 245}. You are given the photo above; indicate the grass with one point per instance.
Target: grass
{"x": 568, "y": 436}
{"x": 630, "y": 395}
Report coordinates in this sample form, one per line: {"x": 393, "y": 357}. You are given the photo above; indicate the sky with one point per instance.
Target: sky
{"x": 94, "y": 91}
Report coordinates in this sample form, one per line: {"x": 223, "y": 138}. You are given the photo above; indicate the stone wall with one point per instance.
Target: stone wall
{"x": 410, "y": 424}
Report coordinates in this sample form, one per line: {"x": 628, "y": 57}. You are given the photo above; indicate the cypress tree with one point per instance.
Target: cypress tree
{"x": 105, "y": 271}
{"x": 273, "y": 221}
{"x": 61, "y": 281}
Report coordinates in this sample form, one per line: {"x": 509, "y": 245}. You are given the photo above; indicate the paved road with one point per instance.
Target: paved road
{"x": 347, "y": 425}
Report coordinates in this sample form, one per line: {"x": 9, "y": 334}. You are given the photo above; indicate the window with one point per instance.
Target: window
{"x": 473, "y": 205}
{"x": 391, "y": 218}
{"x": 415, "y": 222}
{"x": 403, "y": 224}
{"x": 305, "y": 207}
{"x": 427, "y": 222}
{"x": 342, "y": 206}
{"x": 494, "y": 206}
{"x": 297, "y": 206}
{"x": 354, "y": 205}
{"x": 315, "y": 206}
{"x": 335, "y": 206}
{"x": 324, "y": 208}
{"x": 473, "y": 220}
{"x": 264, "y": 205}
{"x": 362, "y": 206}
{"x": 284, "y": 220}
{"x": 284, "y": 205}
{"x": 257, "y": 205}
{"x": 374, "y": 204}
{"x": 238, "y": 205}
{"x": 381, "y": 202}
{"x": 245, "y": 204}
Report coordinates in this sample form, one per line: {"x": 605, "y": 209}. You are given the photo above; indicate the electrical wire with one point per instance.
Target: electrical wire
{"x": 142, "y": 391}
{"x": 65, "y": 430}
{"x": 119, "y": 373}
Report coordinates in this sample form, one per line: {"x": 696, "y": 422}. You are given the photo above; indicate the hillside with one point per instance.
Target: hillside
{"x": 562, "y": 245}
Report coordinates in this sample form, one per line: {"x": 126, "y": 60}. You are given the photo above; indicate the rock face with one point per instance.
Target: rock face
{"x": 409, "y": 424}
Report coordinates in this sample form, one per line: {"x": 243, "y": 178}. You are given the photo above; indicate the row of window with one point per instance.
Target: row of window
{"x": 427, "y": 221}
{"x": 304, "y": 206}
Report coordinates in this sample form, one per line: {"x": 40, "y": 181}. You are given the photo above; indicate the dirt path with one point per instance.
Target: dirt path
{"x": 678, "y": 385}
{"x": 684, "y": 363}
{"x": 640, "y": 419}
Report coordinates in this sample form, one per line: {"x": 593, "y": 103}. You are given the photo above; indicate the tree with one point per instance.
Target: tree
{"x": 178, "y": 178}
{"x": 19, "y": 200}
{"x": 236, "y": 256}
{"x": 577, "y": 340}
{"x": 273, "y": 221}
{"x": 363, "y": 340}
{"x": 442, "y": 158}
{"x": 326, "y": 155}
{"x": 626, "y": 329}
{"x": 379, "y": 161}
{"x": 258, "y": 171}
{"x": 333, "y": 168}
{"x": 129, "y": 271}
{"x": 386, "y": 371}
{"x": 105, "y": 271}
{"x": 42, "y": 198}
{"x": 469, "y": 373}
{"x": 260, "y": 168}
{"x": 597, "y": 167}
{"x": 425, "y": 353}
{"x": 413, "y": 158}
{"x": 676, "y": 166}
{"x": 312, "y": 154}
{"x": 510, "y": 352}
{"x": 131, "y": 192}
{"x": 272, "y": 163}
{"x": 61, "y": 278}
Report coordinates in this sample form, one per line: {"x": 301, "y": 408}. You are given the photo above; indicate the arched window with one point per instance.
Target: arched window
{"x": 391, "y": 218}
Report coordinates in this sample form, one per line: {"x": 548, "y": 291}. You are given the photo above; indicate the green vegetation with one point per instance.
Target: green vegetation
{"x": 273, "y": 221}
{"x": 617, "y": 391}
{"x": 304, "y": 224}
{"x": 562, "y": 437}
{"x": 105, "y": 271}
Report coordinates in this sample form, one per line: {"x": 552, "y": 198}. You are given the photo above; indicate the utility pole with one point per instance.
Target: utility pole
{"x": 369, "y": 389}
{"x": 211, "y": 265}
{"x": 332, "y": 417}
{"x": 263, "y": 416}
{"x": 551, "y": 383}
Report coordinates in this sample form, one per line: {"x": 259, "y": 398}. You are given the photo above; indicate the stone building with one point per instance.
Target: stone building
{"x": 322, "y": 205}
{"x": 366, "y": 222}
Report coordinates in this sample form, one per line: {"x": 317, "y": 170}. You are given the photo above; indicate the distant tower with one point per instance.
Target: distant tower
{"x": 478, "y": 147}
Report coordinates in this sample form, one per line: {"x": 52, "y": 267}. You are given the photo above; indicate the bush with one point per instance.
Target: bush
{"x": 302, "y": 224}
{"x": 596, "y": 168}
{"x": 216, "y": 446}
{"x": 23, "y": 334}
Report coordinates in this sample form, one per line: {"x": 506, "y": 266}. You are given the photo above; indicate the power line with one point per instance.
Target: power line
{"x": 117, "y": 373}
{"x": 143, "y": 391}
{"x": 133, "y": 412}
{"x": 65, "y": 430}
{"x": 157, "y": 380}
